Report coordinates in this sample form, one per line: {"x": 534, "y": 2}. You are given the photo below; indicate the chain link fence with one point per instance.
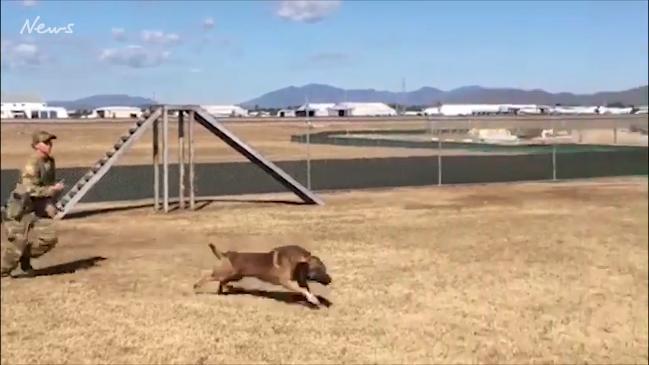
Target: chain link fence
{"x": 327, "y": 154}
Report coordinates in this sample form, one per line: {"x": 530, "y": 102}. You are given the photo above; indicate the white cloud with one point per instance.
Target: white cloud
{"x": 119, "y": 34}
{"x": 29, "y": 3}
{"x": 160, "y": 37}
{"x": 20, "y": 54}
{"x": 208, "y": 23}
{"x": 134, "y": 56}
{"x": 306, "y": 11}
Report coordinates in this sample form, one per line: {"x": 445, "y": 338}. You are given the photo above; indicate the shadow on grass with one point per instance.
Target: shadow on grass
{"x": 280, "y": 296}
{"x": 65, "y": 268}
{"x": 200, "y": 204}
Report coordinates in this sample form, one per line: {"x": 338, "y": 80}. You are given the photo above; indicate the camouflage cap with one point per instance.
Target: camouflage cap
{"x": 41, "y": 136}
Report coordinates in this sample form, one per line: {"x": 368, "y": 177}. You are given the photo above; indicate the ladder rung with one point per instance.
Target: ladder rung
{"x": 124, "y": 138}
{"x": 118, "y": 145}
{"x": 133, "y": 129}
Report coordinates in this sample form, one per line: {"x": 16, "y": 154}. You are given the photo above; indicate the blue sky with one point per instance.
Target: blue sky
{"x": 232, "y": 51}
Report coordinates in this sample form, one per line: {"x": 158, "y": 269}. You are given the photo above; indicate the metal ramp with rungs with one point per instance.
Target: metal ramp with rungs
{"x": 195, "y": 113}
{"x": 209, "y": 122}
{"x": 101, "y": 167}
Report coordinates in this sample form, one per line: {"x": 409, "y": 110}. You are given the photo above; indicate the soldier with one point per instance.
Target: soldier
{"x": 30, "y": 208}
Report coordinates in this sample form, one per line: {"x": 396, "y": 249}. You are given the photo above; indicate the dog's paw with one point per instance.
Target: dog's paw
{"x": 313, "y": 299}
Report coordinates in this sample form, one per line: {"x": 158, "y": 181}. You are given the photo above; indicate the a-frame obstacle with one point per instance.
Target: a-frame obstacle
{"x": 194, "y": 115}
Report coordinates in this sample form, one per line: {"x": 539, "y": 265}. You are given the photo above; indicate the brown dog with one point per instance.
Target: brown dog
{"x": 281, "y": 266}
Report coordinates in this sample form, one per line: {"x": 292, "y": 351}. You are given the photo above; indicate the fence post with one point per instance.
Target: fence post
{"x": 308, "y": 154}
{"x": 156, "y": 165}
{"x": 181, "y": 160}
{"x": 439, "y": 158}
{"x": 165, "y": 159}
{"x": 308, "y": 145}
{"x": 192, "y": 189}
{"x": 554, "y": 152}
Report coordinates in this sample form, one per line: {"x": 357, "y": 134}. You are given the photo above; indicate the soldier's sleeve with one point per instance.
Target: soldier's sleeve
{"x": 31, "y": 181}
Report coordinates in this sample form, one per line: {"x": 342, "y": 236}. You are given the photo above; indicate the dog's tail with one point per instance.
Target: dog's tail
{"x": 219, "y": 255}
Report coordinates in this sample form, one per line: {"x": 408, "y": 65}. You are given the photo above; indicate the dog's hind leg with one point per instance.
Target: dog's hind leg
{"x": 224, "y": 282}
{"x": 296, "y": 288}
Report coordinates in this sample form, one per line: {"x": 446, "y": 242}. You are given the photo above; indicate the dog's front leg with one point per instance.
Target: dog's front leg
{"x": 307, "y": 294}
{"x": 206, "y": 278}
{"x": 301, "y": 275}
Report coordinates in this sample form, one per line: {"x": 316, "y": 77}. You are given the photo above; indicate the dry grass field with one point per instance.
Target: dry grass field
{"x": 512, "y": 273}
{"x": 82, "y": 145}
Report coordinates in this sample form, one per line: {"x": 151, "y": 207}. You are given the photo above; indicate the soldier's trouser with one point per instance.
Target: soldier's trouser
{"x": 36, "y": 232}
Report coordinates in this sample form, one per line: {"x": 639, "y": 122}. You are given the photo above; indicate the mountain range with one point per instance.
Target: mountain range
{"x": 319, "y": 93}
{"x": 98, "y": 101}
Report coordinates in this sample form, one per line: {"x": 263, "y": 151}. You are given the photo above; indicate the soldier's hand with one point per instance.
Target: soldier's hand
{"x": 58, "y": 186}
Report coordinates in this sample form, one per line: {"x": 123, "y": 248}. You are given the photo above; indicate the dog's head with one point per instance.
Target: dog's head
{"x": 318, "y": 271}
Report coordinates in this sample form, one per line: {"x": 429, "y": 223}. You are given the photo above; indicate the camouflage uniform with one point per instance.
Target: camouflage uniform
{"x": 28, "y": 222}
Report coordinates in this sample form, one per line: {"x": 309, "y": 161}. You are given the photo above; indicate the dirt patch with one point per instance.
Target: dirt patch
{"x": 538, "y": 273}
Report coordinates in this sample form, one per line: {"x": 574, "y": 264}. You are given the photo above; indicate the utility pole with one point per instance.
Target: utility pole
{"x": 308, "y": 145}
{"x": 403, "y": 94}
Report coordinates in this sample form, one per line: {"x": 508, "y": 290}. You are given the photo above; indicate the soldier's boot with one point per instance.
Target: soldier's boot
{"x": 4, "y": 272}
{"x": 26, "y": 262}
{"x": 10, "y": 257}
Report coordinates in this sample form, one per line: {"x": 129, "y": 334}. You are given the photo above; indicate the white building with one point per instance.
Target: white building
{"x": 259, "y": 114}
{"x": 350, "y": 109}
{"x": 485, "y": 109}
{"x": 432, "y": 111}
{"x": 315, "y": 109}
{"x": 471, "y": 109}
{"x": 225, "y": 110}
{"x": 28, "y": 107}
{"x": 607, "y": 110}
{"x": 412, "y": 113}
{"x": 116, "y": 112}
{"x": 493, "y": 135}
{"x": 282, "y": 113}
{"x": 574, "y": 110}
{"x": 31, "y": 110}
{"x": 526, "y": 108}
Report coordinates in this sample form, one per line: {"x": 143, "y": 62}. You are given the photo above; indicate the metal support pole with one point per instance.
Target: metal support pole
{"x": 156, "y": 165}
{"x": 192, "y": 203}
{"x": 308, "y": 147}
{"x": 165, "y": 159}
{"x": 581, "y": 138}
{"x": 615, "y": 132}
{"x": 439, "y": 158}
{"x": 181, "y": 160}
{"x": 308, "y": 155}
{"x": 554, "y": 153}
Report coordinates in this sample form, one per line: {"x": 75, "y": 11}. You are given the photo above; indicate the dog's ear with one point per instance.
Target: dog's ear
{"x": 301, "y": 273}
{"x": 314, "y": 261}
